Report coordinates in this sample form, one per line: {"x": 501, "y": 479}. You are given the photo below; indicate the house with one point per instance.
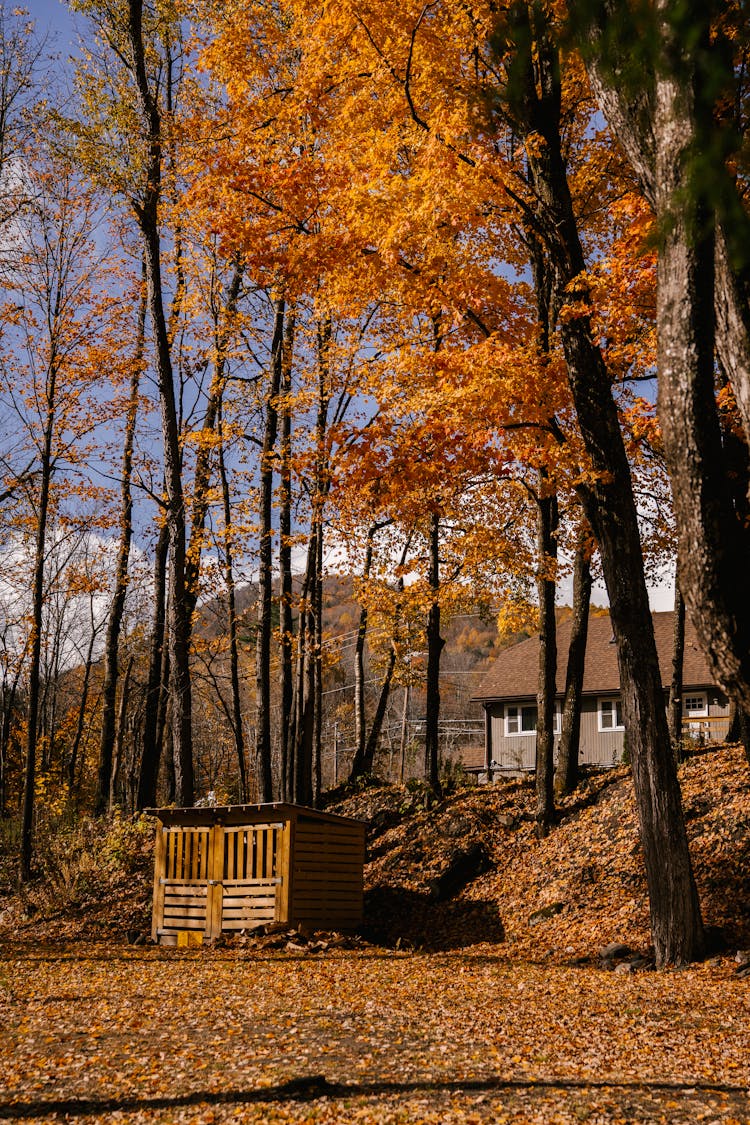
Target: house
{"x": 508, "y": 696}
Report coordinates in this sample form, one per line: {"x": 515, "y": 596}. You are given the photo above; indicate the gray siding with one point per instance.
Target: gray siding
{"x": 597, "y": 748}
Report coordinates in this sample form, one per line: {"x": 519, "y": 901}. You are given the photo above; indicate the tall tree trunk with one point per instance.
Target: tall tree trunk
{"x": 286, "y": 624}
{"x": 82, "y": 704}
{"x": 148, "y": 773}
{"x": 675, "y": 710}
{"x": 147, "y": 213}
{"x": 547, "y": 686}
{"x": 35, "y": 646}
{"x": 6, "y": 726}
{"x": 373, "y": 738}
{"x": 302, "y": 732}
{"x": 435, "y": 645}
{"x": 318, "y": 665}
{"x": 360, "y": 731}
{"x": 610, "y": 508}
{"x": 668, "y": 130}
{"x": 567, "y": 774}
{"x": 115, "y": 789}
{"x": 363, "y": 764}
{"x": 202, "y": 476}
{"x": 234, "y": 660}
{"x": 265, "y": 564}
{"x": 117, "y": 605}
{"x": 402, "y": 740}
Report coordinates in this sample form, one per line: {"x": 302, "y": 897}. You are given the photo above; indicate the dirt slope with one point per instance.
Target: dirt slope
{"x": 563, "y": 897}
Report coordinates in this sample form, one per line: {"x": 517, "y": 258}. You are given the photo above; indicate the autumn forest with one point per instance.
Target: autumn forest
{"x": 449, "y": 300}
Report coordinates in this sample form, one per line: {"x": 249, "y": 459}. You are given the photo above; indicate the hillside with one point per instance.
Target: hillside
{"x": 558, "y": 899}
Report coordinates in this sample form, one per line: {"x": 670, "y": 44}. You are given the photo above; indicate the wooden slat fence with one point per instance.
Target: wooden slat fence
{"x": 216, "y": 878}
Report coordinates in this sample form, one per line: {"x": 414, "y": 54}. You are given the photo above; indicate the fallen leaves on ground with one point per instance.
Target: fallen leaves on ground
{"x": 141, "y": 1035}
{"x": 587, "y": 876}
{"x": 491, "y": 1002}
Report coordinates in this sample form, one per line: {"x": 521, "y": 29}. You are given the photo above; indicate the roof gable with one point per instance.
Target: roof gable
{"x": 515, "y": 673}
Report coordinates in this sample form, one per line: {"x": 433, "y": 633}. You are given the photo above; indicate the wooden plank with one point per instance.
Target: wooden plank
{"x": 268, "y": 859}
{"x": 194, "y": 839}
{"x": 252, "y": 859}
{"x": 348, "y": 841}
{"x": 205, "y": 837}
{"x": 241, "y": 884}
{"x": 215, "y": 889}
{"x": 196, "y": 913}
{"x": 237, "y": 902}
{"x": 283, "y": 868}
{"x": 175, "y": 929}
{"x": 316, "y": 870}
{"x": 309, "y": 879}
{"x": 328, "y": 832}
{"x": 306, "y": 860}
{"x": 248, "y": 890}
{"x": 258, "y": 852}
{"x": 184, "y": 882}
{"x": 330, "y": 902}
{"x": 179, "y": 852}
{"x": 173, "y": 901}
{"x": 171, "y": 845}
{"x": 231, "y": 842}
{"x": 243, "y": 850}
{"x": 250, "y": 923}
{"x": 331, "y": 894}
{"x": 160, "y": 858}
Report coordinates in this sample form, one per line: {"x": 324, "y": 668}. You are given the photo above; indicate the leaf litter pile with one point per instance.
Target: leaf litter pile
{"x": 498, "y": 979}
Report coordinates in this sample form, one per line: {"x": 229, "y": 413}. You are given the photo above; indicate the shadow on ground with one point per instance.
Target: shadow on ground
{"x": 396, "y": 916}
{"x": 312, "y": 1087}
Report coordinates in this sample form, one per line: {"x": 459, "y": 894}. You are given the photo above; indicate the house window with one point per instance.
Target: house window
{"x": 696, "y": 705}
{"x": 522, "y": 719}
{"x": 610, "y": 715}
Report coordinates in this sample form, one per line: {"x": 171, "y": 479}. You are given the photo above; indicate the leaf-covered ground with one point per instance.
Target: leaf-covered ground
{"x": 111, "y": 1034}
{"x": 482, "y": 1003}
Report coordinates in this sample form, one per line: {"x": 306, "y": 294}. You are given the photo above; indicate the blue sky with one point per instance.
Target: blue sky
{"x": 53, "y": 16}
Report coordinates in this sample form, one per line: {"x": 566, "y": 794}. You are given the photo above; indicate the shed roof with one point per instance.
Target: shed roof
{"x": 239, "y": 814}
{"x": 515, "y": 672}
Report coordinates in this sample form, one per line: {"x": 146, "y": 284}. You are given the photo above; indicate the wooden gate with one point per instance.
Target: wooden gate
{"x": 216, "y": 878}
{"x": 251, "y": 881}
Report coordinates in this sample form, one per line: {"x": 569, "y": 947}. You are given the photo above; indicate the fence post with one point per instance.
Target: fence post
{"x": 215, "y": 893}
{"x": 157, "y": 914}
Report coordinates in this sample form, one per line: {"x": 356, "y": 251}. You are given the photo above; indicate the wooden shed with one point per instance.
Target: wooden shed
{"x": 234, "y": 867}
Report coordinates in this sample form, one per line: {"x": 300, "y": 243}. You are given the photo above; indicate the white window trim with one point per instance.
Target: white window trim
{"x": 698, "y": 713}
{"x": 614, "y": 700}
{"x": 557, "y": 726}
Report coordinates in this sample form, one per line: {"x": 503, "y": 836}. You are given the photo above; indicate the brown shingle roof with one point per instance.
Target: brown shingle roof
{"x": 515, "y": 672}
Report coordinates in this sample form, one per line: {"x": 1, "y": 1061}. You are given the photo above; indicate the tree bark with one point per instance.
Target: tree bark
{"x": 265, "y": 564}
{"x": 147, "y": 213}
{"x": 119, "y": 745}
{"x": 360, "y": 732}
{"x": 117, "y": 605}
{"x": 667, "y": 125}
{"x": 435, "y": 645}
{"x": 364, "y": 764}
{"x": 37, "y": 609}
{"x": 286, "y": 624}
{"x": 547, "y": 686}
{"x": 675, "y": 710}
{"x": 610, "y": 508}
{"x": 156, "y": 687}
{"x": 82, "y": 704}
{"x": 234, "y": 656}
{"x": 567, "y": 774}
